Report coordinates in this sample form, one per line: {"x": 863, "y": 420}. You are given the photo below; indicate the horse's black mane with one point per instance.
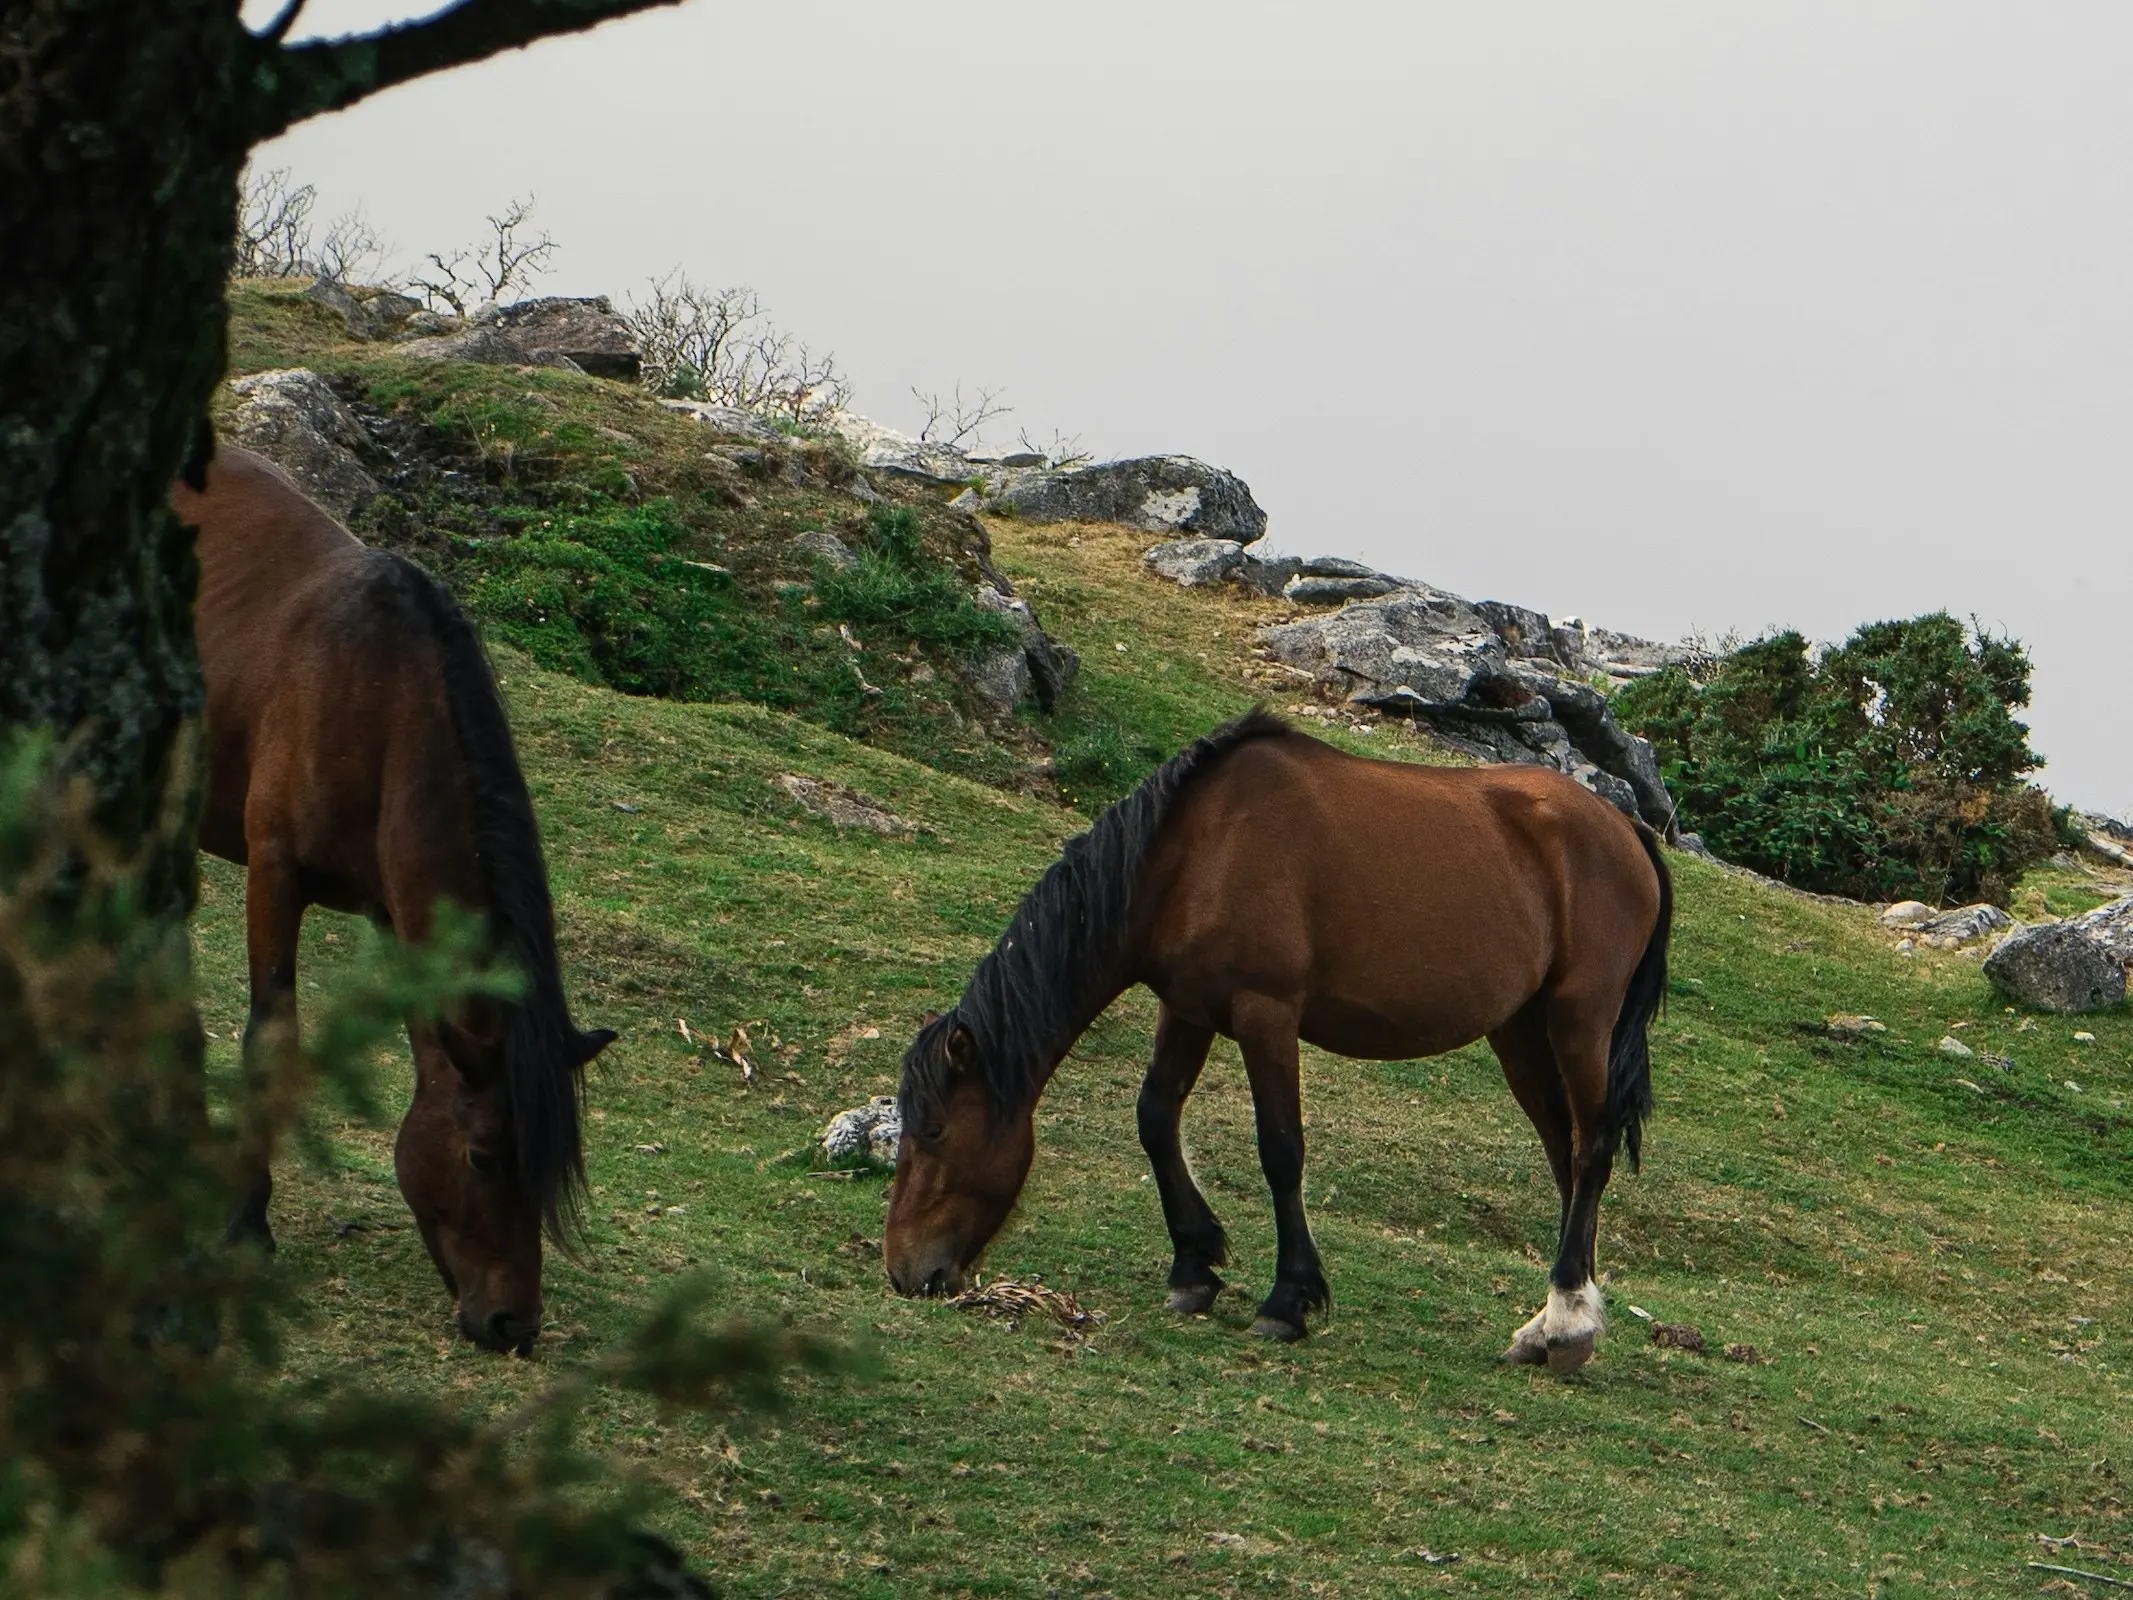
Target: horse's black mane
{"x": 543, "y": 1083}
{"x": 1058, "y": 961}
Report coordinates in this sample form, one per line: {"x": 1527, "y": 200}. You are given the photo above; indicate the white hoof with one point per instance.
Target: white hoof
{"x": 1569, "y": 1323}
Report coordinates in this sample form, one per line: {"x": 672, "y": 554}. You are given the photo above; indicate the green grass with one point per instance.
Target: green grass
{"x": 1916, "y": 1255}
{"x": 1935, "y": 1255}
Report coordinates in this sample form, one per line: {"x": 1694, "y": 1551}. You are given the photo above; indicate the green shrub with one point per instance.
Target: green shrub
{"x": 895, "y": 585}
{"x": 1890, "y": 767}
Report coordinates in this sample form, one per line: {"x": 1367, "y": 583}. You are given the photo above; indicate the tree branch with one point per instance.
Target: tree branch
{"x": 290, "y": 83}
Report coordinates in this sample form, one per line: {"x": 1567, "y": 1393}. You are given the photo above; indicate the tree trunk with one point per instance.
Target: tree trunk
{"x": 119, "y": 158}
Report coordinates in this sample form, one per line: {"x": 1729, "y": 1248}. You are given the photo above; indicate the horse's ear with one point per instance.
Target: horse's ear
{"x": 929, "y": 1019}
{"x": 592, "y": 1042}
{"x": 961, "y": 1049}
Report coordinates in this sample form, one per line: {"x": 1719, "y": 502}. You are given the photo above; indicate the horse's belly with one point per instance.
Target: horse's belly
{"x": 1368, "y": 1033}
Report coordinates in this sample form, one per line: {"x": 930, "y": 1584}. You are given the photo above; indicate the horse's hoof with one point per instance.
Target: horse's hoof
{"x": 1275, "y": 1328}
{"x": 1193, "y": 1298}
{"x": 1526, "y": 1352}
{"x": 1570, "y": 1354}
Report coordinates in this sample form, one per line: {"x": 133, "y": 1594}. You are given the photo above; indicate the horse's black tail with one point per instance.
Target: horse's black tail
{"x": 1629, "y": 1054}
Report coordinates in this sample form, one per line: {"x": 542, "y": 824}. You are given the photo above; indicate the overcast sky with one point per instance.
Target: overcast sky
{"x": 1671, "y": 315}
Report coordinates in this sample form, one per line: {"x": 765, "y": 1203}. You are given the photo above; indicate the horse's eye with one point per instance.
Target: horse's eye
{"x": 933, "y": 1132}
{"x": 481, "y": 1162}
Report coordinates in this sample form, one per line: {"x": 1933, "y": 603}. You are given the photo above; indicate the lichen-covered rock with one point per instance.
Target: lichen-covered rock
{"x": 2110, "y": 926}
{"x": 873, "y": 1130}
{"x": 727, "y": 419}
{"x": 1040, "y": 664}
{"x": 1964, "y": 924}
{"x": 1163, "y": 494}
{"x": 1306, "y": 589}
{"x": 488, "y": 346}
{"x": 589, "y": 333}
{"x": 1193, "y": 562}
{"x": 814, "y": 545}
{"x": 294, "y": 419}
{"x": 883, "y": 450}
{"x": 2058, "y": 967}
{"x": 370, "y": 313}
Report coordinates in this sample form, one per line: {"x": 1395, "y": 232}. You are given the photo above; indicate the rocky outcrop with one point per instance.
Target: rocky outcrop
{"x": 2111, "y": 926}
{"x": 1492, "y": 691}
{"x": 297, "y": 422}
{"x": 371, "y": 313}
{"x": 884, "y": 451}
{"x": 588, "y": 333}
{"x": 1039, "y": 664}
{"x": 1162, "y": 494}
{"x": 489, "y": 346}
{"x": 1194, "y": 562}
{"x": 1951, "y": 929}
{"x": 2057, "y": 967}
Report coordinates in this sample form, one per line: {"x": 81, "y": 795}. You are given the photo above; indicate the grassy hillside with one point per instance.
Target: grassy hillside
{"x": 1934, "y": 1255}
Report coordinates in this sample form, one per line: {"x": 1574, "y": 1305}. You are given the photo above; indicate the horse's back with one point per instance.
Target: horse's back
{"x": 320, "y": 670}
{"x": 1407, "y": 909}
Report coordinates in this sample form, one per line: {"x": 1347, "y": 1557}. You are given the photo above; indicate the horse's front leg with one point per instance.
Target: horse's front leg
{"x": 1265, "y": 1031}
{"x": 1198, "y": 1244}
{"x": 273, "y": 917}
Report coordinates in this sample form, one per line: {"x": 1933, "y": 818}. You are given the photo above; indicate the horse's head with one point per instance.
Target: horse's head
{"x": 479, "y": 1198}
{"x": 959, "y": 1167}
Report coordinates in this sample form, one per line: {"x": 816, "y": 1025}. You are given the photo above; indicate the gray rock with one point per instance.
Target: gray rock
{"x": 2057, "y": 967}
{"x": 873, "y": 1130}
{"x": 1162, "y": 494}
{"x": 1267, "y": 575}
{"x": 727, "y": 419}
{"x": 1907, "y": 914}
{"x": 431, "y": 324}
{"x": 488, "y": 346}
{"x": 1420, "y": 653}
{"x": 371, "y": 313}
{"x": 297, "y": 422}
{"x": 2110, "y": 926}
{"x": 814, "y": 545}
{"x": 1336, "y": 567}
{"x": 1526, "y": 632}
{"x": 1310, "y": 591}
{"x": 1193, "y": 562}
{"x": 1024, "y": 458}
{"x": 1001, "y": 679}
{"x": 882, "y": 450}
{"x": 861, "y": 490}
{"x": 1046, "y": 666}
{"x": 587, "y": 332}
{"x": 966, "y": 501}
{"x": 1966, "y": 923}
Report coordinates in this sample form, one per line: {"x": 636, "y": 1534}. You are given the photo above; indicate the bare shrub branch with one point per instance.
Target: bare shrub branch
{"x": 717, "y": 345}
{"x": 1063, "y": 451}
{"x": 508, "y": 261}
{"x": 273, "y": 224}
{"x": 955, "y": 419}
{"x": 350, "y": 251}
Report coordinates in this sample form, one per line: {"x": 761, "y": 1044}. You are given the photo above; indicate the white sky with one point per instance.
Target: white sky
{"x": 1671, "y": 315}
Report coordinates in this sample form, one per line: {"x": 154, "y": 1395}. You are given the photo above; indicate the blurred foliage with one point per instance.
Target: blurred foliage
{"x": 1888, "y": 768}
{"x": 147, "y": 1444}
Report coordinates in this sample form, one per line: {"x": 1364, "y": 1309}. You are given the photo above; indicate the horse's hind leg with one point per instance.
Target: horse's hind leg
{"x": 1573, "y": 1317}
{"x": 273, "y": 916}
{"x": 1266, "y": 1032}
{"x": 1197, "y": 1241}
{"x": 1537, "y": 1084}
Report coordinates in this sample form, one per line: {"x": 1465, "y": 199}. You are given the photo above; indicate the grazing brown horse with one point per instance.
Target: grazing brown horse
{"x": 1270, "y": 888}
{"x": 360, "y": 759}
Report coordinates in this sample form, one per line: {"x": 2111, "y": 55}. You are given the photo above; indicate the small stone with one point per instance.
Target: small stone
{"x": 1952, "y": 1046}
{"x": 1907, "y": 914}
{"x": 873, "y": 1130}
{"x": 1194, "y": 562}
{"x": 2084, "y": 1038}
